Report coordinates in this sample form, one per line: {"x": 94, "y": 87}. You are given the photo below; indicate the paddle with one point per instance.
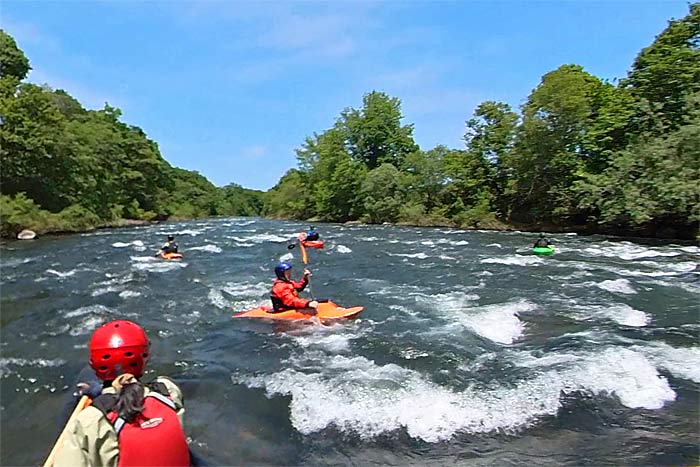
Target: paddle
{"x": 82, "y": 403}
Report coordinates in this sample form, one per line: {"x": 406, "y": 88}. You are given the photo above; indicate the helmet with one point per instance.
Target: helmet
{"x": 119, "y": 347}
{"x": 280, "y": 268}
{"x": 171, "y": 238}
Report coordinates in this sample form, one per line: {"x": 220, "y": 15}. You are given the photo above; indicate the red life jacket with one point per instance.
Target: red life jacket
{"x": 154, "y": 437}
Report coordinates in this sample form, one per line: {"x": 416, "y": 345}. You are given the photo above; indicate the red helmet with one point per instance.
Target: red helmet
{"x": 118, "y": 347}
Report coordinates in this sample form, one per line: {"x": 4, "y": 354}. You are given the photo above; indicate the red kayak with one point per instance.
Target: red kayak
{"x": 310, "y": 243}
{"x": 327, "y": 311}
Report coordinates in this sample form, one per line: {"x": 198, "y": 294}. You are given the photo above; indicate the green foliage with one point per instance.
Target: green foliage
{"x": 375, "y": 134}
{"x": 668, "y": 71}
{"x": 654, "y": 179}
{"x": 382, "y": 194}
{"x": 289, "y": 198}
{"x": 582, "y": 151}
{"x": 551, "y": 144}
{"x": 13, "y": 62}
{"x": 86, "y": 167}
{"x": 18, "y": 213}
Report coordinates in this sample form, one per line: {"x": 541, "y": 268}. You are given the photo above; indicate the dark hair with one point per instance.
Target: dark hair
{"x": 130, "y": 401}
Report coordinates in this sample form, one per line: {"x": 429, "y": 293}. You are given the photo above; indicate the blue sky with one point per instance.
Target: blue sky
{"x": 231, "y": 88}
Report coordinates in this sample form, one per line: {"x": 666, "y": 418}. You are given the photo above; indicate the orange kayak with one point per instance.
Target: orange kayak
{"x": 327, "y": 311}
{"x": 172, "y": 255}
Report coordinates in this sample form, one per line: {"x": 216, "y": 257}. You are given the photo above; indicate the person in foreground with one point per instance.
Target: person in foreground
{"x": 542, "y": 242}
{"x": 128, "y": 423}
{"x": 285, "y": 291}
{"x": 170, "y": 246}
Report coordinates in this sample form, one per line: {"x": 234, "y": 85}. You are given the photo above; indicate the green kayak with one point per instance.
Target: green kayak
{"x": 543, "y": 250}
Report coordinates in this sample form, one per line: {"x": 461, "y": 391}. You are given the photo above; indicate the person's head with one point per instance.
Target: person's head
{"x": 171, "y": 238}
{"x": 541, "y": 235}
{"x": 119, "y": 347}
{"x": 283, "y": 271}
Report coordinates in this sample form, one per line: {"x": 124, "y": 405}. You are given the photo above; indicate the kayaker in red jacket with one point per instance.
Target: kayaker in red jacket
{"x": 285, "y": 291}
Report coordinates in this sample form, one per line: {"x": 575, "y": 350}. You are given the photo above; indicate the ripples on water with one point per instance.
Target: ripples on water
{"x": 470, "y": 350}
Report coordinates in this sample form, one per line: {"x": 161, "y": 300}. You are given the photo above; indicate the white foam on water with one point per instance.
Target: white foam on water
{"x": 217, "y": 299}
{"x": 244, "y": 223}
{"x": 680, "y": 362}
{"x": 687, "y": 286}
{"x": 143, "y": 259}
{"x": 136, "y": 243}
{"x": 87, "y": 326}
{"x": 343, "y": 249}
{"x": 286, "y": 257}
{"x": 15, "y": 262}
{"x": 5, "y": 363}
{"x": 86, "y": 310}
{"x": 152, "y": 264}
{"x": 209, "y": 248}
{"x": 626, "y": 251}
{"x": 129, "y": 294}
{"x": 690, "y": 249}
{"x": 356, "y": 395}
{"x": 427, "y": 243}
{"x": 626, "y": 315}
{"x": 497, "y": 245}
{"x": 190, "y": 232}
{"x": 625, "y": 373}
{"x": 262, "y": 238}
{"x": 420, "y": 255}
{"x": 239, "y": 295}
{"x": 622, "y": 286}
{"x": 105, "y": 290}
{"x": 460, "y": 243}
{"x": 62, "y": 274}
{"x": 499, "y": 323}
{"x": 333, "y": 339}
{"x": 516, "y": 260}
{"x": 620, "y": 313}
{"x": 446, "y": 302}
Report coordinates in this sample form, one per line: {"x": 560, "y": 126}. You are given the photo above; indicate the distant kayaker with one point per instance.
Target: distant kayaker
{"x": 312, "y": 235}
{"x": 285, "y": 291}
{"x": 170, "y": 246}
{"x": 128, "y": 423}
{"x": 542, "y": 242}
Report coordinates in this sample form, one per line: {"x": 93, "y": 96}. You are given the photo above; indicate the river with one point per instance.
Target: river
{"x": 470, "y": 350}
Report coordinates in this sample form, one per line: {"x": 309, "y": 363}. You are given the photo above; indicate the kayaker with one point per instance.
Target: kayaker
{"x": 311, "y": 235}
{"x": 128, "y": 423}
{"x": 170, "y": 246}
{"x": 542, "y": 242}
{"x": 285, "y": 291}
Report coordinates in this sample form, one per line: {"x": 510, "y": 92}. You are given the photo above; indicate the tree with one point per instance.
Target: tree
{"x": 668, "y": 71}
{"x": 374, "y": 133}
{"x": 551, "y": 146}
{"x": 13, "y": 62}
{"x": 382, "y": 195}
{"x": 654, "y": 179}
{"x": 490, "y": 139}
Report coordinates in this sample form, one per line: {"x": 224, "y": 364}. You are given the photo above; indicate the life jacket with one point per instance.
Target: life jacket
{"x": 282, "y": 287}
{"x": 154, "y": 437}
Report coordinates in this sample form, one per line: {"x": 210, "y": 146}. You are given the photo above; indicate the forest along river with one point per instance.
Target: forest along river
{"x": 470, "y": 348}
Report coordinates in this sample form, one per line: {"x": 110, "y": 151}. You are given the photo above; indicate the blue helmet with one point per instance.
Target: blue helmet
{"x": 280, "y": 268}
